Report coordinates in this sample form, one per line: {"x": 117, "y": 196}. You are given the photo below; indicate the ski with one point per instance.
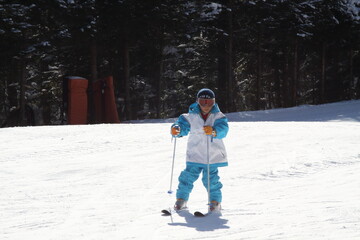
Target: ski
{"x": 200, "y": 214}
{"x": 166, "y": 212}
{"x": 169, "y": 212}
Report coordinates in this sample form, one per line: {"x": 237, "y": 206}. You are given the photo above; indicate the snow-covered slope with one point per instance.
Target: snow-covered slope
{"x": 293, "y": 174}
{"x": 341, "y": 111}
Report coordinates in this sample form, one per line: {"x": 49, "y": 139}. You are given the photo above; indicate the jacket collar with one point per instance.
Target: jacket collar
{"x": 195, "y": 108}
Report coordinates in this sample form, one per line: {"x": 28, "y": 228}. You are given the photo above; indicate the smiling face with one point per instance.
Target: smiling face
{"x": 206, "y": 109}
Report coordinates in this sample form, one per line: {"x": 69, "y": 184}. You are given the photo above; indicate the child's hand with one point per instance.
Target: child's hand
{"x": 209, "y": 131}
{"x": 175, "y": 130}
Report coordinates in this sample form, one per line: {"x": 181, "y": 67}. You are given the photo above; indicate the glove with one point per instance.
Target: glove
{"x": 209, "y": 131}
{"x": 175, "y": 130}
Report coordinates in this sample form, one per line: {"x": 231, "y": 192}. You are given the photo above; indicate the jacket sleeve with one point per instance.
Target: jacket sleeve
{"x": 184, "y": 125}
{"x": 221, "y": 127}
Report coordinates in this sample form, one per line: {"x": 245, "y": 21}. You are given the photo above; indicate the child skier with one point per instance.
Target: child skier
{"x": 206, "y": 126}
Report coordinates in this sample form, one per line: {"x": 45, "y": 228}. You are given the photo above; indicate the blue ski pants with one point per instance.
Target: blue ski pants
{"x": 191, "y": 174}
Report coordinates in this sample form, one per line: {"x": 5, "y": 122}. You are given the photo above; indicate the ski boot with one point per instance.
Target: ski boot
{"x": 215, "y": 206}
{"x": 180, "y": 204}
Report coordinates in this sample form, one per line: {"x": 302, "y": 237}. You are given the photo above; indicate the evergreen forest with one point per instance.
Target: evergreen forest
{"x": 255, "y": 55}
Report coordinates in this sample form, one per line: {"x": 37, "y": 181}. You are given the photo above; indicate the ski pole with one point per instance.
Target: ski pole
{"x": 208, "y": 170}
{"x": 172, "y": 168}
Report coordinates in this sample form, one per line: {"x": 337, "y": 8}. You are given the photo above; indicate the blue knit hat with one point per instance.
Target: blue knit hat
{"x": 205, "y": 93}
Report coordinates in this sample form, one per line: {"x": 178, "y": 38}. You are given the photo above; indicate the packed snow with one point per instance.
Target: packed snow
{"x": 293, "y": 174}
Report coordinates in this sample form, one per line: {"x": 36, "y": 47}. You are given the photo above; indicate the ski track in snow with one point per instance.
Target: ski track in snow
{"x": 285, "y": 180}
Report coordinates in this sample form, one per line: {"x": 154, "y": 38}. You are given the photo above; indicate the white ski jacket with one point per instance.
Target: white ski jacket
{"x": 192, "y": 124}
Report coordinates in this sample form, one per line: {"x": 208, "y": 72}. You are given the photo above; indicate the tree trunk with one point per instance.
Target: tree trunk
{"x": 126, "y": 67}
{"x": 355, "y": 82}
{"x": 94, "y": 77}
{"x": 22, "y": 82}
{"x": 229, "y": 68}
{"x": 295, "y": 74}
{"x": 158, "y": 67}
{"x": 352, "y": 81}
{"x": 277, "y": 80}
{"x": 221, "y": 96}
{"x": 12, "y": 92}
{"x": 286, "y": 85}
{"x": 3, "y": 105}
{"x": 323, "y": 73}
{"x": 45, "y": 98}
{"x": 159, "y": 85}
{"x": 259, "y": 72}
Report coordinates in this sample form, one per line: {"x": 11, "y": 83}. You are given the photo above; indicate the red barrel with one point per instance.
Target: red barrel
{"x": 77, "y": 100}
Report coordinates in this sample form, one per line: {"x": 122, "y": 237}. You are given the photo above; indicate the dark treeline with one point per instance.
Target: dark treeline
{"x": 254, "y": 54}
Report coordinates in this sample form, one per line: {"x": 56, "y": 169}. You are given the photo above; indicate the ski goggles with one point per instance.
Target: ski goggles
{"x": 206, "y": 102}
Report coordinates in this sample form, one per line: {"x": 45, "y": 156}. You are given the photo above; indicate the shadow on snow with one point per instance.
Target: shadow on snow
{"x": 209, "y": 223}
